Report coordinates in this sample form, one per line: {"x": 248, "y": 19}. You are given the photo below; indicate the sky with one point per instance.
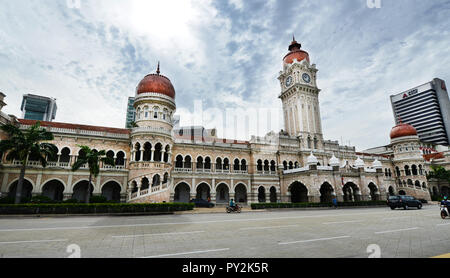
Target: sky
{"x": 223, "y": 56}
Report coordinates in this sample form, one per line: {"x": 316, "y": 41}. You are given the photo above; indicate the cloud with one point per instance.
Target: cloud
{"x": 225, "y": 53}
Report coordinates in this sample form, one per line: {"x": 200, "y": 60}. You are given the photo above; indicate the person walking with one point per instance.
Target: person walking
{"x": 335, "y": 203}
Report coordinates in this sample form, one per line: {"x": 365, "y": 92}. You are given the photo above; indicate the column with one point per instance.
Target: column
{"x": 142, "y": 154}
{"x": 213, "y": 190}
{"x": 139, "y": 185}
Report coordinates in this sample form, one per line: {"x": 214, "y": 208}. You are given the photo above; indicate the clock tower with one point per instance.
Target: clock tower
{"x": 300, "y": 97}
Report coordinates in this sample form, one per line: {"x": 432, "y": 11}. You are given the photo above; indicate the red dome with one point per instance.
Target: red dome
{"x": 156, "y": 83}
{"x": 295, "y": 52}
{"x": 402, "y": 130}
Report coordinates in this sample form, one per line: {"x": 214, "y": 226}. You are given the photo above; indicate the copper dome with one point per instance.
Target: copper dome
{"x": 156, "y": 83}
{"x": 295, "y": 52}
{"x": 402, "y": 130}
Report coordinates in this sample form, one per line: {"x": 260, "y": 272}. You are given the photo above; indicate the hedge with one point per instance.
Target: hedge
{"x": 92, "y": 208}
{"x": 317, "y": 205}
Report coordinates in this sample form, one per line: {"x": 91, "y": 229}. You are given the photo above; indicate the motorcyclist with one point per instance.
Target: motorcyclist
{"x": 445, "y": 202}
{"x": 232, "y": 204}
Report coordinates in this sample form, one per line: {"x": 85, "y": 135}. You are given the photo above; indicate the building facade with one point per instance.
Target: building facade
{"x": 38, "y": 108}
{"x": 427, "y": 108}
{"x": 131, "y": 113}
{"x": 159, "y": 162}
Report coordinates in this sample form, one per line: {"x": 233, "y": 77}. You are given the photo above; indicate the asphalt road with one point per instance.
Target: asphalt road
{"x": 342, "y": 233}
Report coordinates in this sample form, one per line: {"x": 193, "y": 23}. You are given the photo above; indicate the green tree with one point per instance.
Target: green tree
{"x": 92, "y": 158}
{"x": 439, "y": 173}
{"x": 23, "y": 145}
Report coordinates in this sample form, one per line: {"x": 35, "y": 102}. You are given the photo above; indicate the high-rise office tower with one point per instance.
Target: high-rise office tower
{"x": 427, "y": 108}
{"x": 131, "y": 113}
{"x": 38, "y": 108}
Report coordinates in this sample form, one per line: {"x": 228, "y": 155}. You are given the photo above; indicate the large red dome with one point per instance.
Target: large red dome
{"x": 295, "y": 52}
{"x": 402, "y": 130}
{"x": 156, "y": 83}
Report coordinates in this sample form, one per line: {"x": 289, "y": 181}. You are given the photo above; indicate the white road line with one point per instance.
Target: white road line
{"x": 400, "y": 230}
{"x": 180, "y": 233}
{"x": 446, "y": 224}
{"x": 392, "y": 218}
{"x": 186, "y": 253}
{"x": 355, "y": 221}
{"x": 271, "y": 227}
{"x": 183, "y": 223}
{"x": 312, "y": 240}
{"x": 33, "y": 241}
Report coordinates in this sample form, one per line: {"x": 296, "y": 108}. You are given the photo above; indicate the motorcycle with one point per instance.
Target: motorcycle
{"x": 444, "y": 212}
{"x": 233, "y": 209}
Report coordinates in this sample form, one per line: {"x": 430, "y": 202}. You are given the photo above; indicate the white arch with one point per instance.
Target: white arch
{"x": 17, "y": 179}
{"x": 112, "y": 180}
{"x": 246, "y": 187}
{"x": 203, "y": 182}
{"x": 51, "y": 179}
{"x": 225, "y": 183}
{"x": 79, "y": 181}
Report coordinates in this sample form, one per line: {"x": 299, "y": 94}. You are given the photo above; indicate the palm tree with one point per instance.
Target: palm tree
{"x": 23, "y": 145}
{"x": 92, "y": 159}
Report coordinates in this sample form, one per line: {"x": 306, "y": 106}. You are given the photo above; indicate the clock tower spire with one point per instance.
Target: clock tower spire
{"x": 300, "y": 97}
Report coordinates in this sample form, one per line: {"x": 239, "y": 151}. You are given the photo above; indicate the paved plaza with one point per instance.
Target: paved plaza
{"x": 342, "y": 233}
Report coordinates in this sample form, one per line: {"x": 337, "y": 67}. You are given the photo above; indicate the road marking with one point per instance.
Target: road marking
{"x": 444, "y": 256}
{"x": 401, "y": 230}
{"x": 355, "y": 221}
{"x": 392, "y": 218}
{"x": 33, "y": 241}
{"x": 312, "y": 240}
{"x": 187, "y": 253}
{"x": 443, "y": 224}
{"x": 180, "y": 233}
{"x": 183, "y": 223}
{"x": 271, "y": 227}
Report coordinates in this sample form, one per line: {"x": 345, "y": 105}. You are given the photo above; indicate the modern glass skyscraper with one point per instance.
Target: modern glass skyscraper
{"x": 427, "y": 108}
{"x": 131, "y": 113}
{"x": 38, "y": 108}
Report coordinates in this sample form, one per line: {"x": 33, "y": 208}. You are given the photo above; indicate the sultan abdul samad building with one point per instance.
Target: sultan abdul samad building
{"x": 156, "y": 163}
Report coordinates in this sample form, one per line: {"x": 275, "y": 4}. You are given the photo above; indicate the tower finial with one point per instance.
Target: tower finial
{"x": 158, "y": 71}
{"x": 293, "y": 37}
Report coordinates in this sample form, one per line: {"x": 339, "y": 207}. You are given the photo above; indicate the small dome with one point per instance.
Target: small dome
{"x": 156, "y": 83}
{"x": 359, "y": 163}
{"x": 295, "y": 52}
{"x": 334, "y": 161}
{"x": 402, "y": 130}
{"x": 377, "y": 164}
{"x": 312, "y": 160}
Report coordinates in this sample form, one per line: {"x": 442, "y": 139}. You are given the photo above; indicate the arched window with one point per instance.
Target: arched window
{"x": 407, "y": 171}
{"x": 296, "y": 165}
{"x": 273, "y": 166}
{"x": 120, "y": 159}
{"x": 414, "y": 170}
{"x": 208, "y": 163}
{"x": 65, "y": 155}
{"x": 179, "y": 162}
{"x": 158, "y": 153}
{"x": 243, "y": 165}
{"x": 156, "y": 180}
{"x": 219, "y": 163}
{"x": 146, "y": 112}
{"x": 266, "y": 166}
{"x": 155, "y": 112}
{"x": 226, "y": 164}
{"x": 236, "y": 165}
{"x": 187, "y": 162}
{"x": 285, "y": 165}
{"x": 166, "y": 178}
{"x": 147, "y": 151}
{"x": 137, "y": 154}
{"x": 259, "y": 165}
{"x": 397, "y": 171}
{"x": 200, "y": 162}
{"x": 291, "y": 165}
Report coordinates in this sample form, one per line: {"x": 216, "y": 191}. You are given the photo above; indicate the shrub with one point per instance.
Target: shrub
{"x": 11, "y": 200}
{"x": 42, "y": 200}
{"x": 316, "y": 205}
{"x": 70, "y": 201}
{"x": 75, "y": 208}
{"x": 98, "y": 200}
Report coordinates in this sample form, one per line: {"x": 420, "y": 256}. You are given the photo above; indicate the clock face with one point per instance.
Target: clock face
{"x": 289, "y": 81}
{"x": 306, "y": 78}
